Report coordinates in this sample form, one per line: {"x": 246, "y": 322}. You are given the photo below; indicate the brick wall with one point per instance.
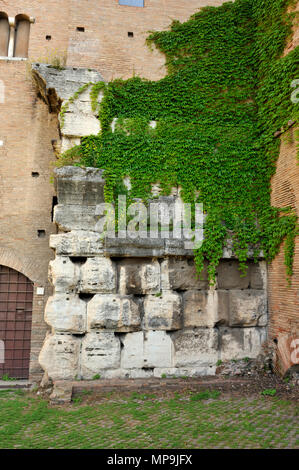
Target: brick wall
{"x": 26, "y": 132}
{"x": 284, "y": 300}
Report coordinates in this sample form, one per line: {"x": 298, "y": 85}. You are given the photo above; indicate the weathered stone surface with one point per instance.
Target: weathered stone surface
{"x": 78, "y": 186}
{"x": 100, "y": 350}
{"x": 237, "y": 343}
{"x": 195, "y": 347}
{"x": 139, "y": 276}
{"x": 66, "y": 313}
{"x": 229, "y": 276}
{"x": 75, "y": 217}
{"x": 247, "y": 308}
{"x": 144, "y": 350}
{"x": 183, "y": 275}
{"x": 195, "y": 309}
{"x": 162, "y": 312}
{"x": 98, "y": 276}
{"x": 64, "y": 81}
{"x": 223, "y": 307}
{"x": 60, "y": 356}
{"x": 258, "y": 275}
{"x": 113, "y": 312}
{"x": 80, "y": 120}
{"x": 158, "y": 349}
{"x": 62, "y": 392}
{"x": 77, "y": 243}
{"x": 139, "y": 247}
{"x": 132, "y": 350}
{"x": 64, "y": 274}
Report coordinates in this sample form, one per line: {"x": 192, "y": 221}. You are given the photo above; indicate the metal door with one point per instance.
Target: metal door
{"x": 16, "y": 294}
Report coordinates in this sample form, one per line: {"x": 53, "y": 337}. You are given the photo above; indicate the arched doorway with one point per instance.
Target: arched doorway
{"x": 16, "y": 295}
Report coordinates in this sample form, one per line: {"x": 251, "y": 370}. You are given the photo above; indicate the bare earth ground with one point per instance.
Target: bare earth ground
{"x": 211, "y": 413}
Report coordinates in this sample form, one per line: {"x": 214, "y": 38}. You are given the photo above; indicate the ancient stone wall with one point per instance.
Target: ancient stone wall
{"x": 135, "y": 308}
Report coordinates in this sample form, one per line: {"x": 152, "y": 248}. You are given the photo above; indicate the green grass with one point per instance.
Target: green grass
{"x": 201, "y": 420}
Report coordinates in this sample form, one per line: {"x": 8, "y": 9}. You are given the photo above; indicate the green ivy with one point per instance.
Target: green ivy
{"x": 226, "y": 93}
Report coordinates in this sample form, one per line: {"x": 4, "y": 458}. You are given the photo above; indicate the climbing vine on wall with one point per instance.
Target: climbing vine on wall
{"x": 226, "y": 93}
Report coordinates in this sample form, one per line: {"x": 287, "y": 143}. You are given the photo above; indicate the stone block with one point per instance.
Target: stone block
{"x": 66, "y": 313}
{"x": 79, "y": 186}
{"x": 139, "y": 276}
{"x": 238, "y": 343}
{"x": 183, "y": 275}
{"x": 132, "y": 350}
{"x": 80, "y": 120}
{"x": 138, "y": 247}
{"x": 113, "y": 312}
{"x": 247, "y": 308}
{"x": 146, "y": 350}
{"x": 162, "y": 312}
{"x": 75, "y": 217}
{"x": 63, "y": 274}
{"x": 158, "y": 349}
{"x": 62, "y": 392}
{"x": 98, "y": 276}
{"x": 100, "y": 350}
{"x": 59, "y": 356}
{"x": 223, "y": 307}
{"x": 195, "y": 309}
{"x": 197, "y": 347}
{"x": 258, "y": 275}
{"x": 229, "y": 276}
{"x": 77, "y": 243}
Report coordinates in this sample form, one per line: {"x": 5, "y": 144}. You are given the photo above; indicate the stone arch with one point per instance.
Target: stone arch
{"x": 22, "y": 36}
{"x": 20, "y": 263}
{"x": 4, "y": 34}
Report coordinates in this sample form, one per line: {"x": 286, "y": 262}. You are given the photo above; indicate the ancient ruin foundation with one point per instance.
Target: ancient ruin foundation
{"x": 135, "y": 308}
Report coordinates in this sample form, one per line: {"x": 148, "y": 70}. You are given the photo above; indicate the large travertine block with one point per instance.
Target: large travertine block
{"x": 146, "y": 350}
{"x": 195, "y": 347}
{"x": 80, "y": 123}
{"x": 113, "y": 312}
{"x": 163, "y": 312}
{"x": 77, "y": 243}
{"x": 64, "y": 274}
{"x": 132, "y": 350}
{"x": 66, "y": 313}
{"x": 100, "y": 350}
{"x": 258, "y": 275}
{"x": 59, "y": 356}
{"x": 229, "y": 276}
{"x": 98, "y": 276}
{"x": 78, "y": 186}
{"x": 139, "y": 276}
{"x": 200, "y": 308}
{"x": 75, "y": 217}
{"x": 238, "y": 343}
{"x": 158, "y": 349}
{"x": 247, "y": 308}
{"x": 183, "y": 275}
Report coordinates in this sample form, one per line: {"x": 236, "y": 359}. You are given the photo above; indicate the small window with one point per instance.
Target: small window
{"x": 130, "y": 34}
{"x": 132, "y": 3}
{"x": 22, "y": 36}
{"x": 4, "y": 34}
{"x": 80, "y": 29}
